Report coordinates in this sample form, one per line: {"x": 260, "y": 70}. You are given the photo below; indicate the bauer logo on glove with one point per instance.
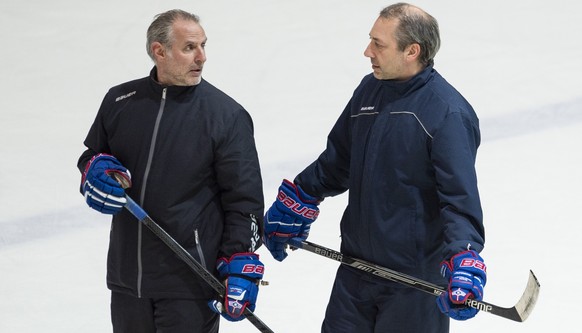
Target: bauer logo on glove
{"x": 296, "y": 207}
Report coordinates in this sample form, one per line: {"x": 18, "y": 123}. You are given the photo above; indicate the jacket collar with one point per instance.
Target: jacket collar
{"x": 170, "y": 90}
{"x": 397, "y": 89}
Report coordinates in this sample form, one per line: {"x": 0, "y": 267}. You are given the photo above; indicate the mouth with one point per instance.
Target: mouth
{"x": 196, "y": 71}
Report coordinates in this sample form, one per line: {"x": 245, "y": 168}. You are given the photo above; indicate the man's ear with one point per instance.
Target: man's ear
{"x": 159, "y": 51}
{"x": 413, "y": 51}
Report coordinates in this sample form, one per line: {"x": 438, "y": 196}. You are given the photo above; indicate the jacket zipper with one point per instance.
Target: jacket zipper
{"x": 199, "y": 248}
{"x": 143, "y": 190}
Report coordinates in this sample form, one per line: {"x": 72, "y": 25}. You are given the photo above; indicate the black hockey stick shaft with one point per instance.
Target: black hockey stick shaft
{"x": 518, "y": 313}
{"x": 187, "y": 258}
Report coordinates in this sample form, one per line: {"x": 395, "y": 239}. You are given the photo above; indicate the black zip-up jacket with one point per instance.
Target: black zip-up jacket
{"x": 195, "y": 170}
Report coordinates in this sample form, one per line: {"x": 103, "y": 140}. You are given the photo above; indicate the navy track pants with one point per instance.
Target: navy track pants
{"x": 360, "y": 303}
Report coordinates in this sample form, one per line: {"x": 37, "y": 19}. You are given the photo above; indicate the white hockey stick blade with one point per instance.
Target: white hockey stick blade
{"x": 528, "y": 300}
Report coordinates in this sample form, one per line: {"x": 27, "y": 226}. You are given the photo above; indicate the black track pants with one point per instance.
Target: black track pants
{"x": 145, "y": 315}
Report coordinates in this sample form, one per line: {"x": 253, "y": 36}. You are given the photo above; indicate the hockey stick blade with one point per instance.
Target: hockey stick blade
{"x": 187, "y": 258}
{"x": 519, "y": 312}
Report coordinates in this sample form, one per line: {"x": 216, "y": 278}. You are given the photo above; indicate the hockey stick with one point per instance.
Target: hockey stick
{"x": 519, "y": 312}
{"x": 143, "y": 217}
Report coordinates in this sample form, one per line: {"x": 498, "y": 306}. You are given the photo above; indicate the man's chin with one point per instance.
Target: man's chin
{"x": 196, "y": 80}
{"x": 192, "y": 81}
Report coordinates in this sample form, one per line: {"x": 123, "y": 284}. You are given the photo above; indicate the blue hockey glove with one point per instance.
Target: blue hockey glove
{"x": 290, "y": 216}
{"x": 243, "y": 273}
{"x": 101, "y": 190}
{"x": 467, "y": 276}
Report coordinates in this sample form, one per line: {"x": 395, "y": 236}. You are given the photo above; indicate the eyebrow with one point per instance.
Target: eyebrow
{"x": 190, "y": 41}
{"x": 376, "y": 39}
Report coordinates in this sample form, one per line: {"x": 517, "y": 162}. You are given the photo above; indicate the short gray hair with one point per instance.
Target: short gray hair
{"x": 160, "y": 30}
{"x": 415, "y": 26}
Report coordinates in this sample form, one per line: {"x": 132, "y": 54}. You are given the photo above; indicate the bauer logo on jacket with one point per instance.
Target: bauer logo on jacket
{"x": 125, "y": 96}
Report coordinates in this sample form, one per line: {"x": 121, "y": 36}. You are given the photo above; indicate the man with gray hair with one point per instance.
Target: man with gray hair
{"x": 405, "y": 148}
{"x": 194, "y": 168}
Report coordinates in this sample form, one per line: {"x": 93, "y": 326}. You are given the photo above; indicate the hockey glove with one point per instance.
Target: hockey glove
{"x": 242, "y": 273}
{"x": 290, "y": 216}
{"x": 467, "y": 276}
{"x": 102, "y": 192}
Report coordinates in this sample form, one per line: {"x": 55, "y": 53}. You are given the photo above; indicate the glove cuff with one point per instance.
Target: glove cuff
{"x": 245, "y": 265}
{"x": 469, "y": 261}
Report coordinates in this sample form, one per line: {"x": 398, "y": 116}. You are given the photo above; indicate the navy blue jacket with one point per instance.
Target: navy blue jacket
{"x": 195, "y": 170}
{"x": 406, "y": 153}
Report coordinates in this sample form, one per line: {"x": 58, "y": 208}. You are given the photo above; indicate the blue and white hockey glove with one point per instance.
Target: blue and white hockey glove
{"x": 101, "y": 190}
{"x": 242, "y": 273}
{"x": 467, "y": 276}
{"x": 290, "y": 216}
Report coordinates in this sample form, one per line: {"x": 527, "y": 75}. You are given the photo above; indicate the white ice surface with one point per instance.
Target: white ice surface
{"x": 293, "y": 65}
